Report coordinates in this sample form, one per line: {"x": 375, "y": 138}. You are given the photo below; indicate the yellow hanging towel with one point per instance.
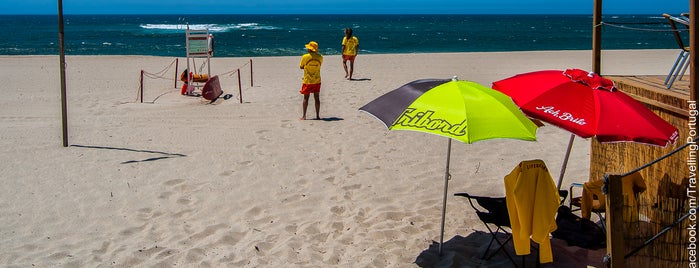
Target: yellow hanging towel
{"x": 532, "y": 202}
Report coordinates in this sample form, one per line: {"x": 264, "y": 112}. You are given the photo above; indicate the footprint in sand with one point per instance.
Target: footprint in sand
{"x": 195, "y": 255}
{"x": 151, "y": 251}
{"x": 182, "y": 213}
{"x": 184, "y": 201}
{"x": 226, "y": 173}
{"x": 286, "y": 124}
{"x": 102, "y": 250}
{"x": 147, "y": 214}
{"x": 254, "y": 211}
{"x": 291, "y": 228}
{"x": 337, "y": 226}
{"x": 231, "y": 238}
{"x": 208, "y": 231}
{"x": 165, "y": 195}
{"x": 173, "y": 182}
{"x": 133, "y": 230}
{"x": 352, "y": 187}
{"x": 302, "y": 182}
{"x": 361, "y": 152}
{"x": 337, "y": 210}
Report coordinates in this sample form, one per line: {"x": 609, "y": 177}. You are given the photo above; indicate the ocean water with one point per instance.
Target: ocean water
{"x": 285, "y": 35}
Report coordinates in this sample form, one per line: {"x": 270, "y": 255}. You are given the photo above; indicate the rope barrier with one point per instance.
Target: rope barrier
{"x": 621, "y": 26}
{"x": 162, "y": 75}
{"x": 162, "y": 72}
{"x": 154, "y": 76}
{"x": 158, "y": 97}
{"x": 230, "y": 73}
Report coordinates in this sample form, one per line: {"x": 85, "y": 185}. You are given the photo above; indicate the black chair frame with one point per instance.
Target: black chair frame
{"x": 492, "y": 211}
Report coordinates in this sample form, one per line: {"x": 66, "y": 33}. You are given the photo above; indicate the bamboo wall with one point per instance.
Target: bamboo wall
{"x": 664, "y": 201}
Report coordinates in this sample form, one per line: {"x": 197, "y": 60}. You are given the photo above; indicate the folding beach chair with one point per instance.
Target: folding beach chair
{"x": 592, "y": 200}
{"x": 492, "y": 211}
{"x": 682, "y": 62}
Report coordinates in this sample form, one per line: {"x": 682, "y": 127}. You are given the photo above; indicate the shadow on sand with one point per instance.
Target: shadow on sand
{"x": 163, "y": 155}
{"x": 467, "y": 252}
{"x": 330, "y": 119}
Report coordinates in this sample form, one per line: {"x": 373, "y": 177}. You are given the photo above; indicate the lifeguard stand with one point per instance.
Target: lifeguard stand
{"x": 200, "y": 44}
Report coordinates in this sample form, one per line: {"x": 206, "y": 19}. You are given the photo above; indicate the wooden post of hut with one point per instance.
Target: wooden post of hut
{"x": 615, "y": 224}
{"x": 666, "y": 181}
{"x": 597, "y": 37}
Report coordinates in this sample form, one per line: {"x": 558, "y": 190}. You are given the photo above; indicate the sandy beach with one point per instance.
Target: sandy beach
{"x": 177, "y": 181}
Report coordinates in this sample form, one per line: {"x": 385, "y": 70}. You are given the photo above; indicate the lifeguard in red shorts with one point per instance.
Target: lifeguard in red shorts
{"x": 350, "y": 48}
{"x": 310, "y": 63}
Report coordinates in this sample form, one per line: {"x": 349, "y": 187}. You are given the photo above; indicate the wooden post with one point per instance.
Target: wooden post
{"x": 177, "y": 64}
{"x": 251, "y": 73}
{"x": 240, "y": 89}
{"x": 140, "y": 88}
{"x": 615, "y": 221}
{"x": 62, "y": 63}
{"x": 597, "y": 37}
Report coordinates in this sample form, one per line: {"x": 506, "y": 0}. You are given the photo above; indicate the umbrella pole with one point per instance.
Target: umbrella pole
{"x": 447, "y": 176}
{"x": 565, "y": 160}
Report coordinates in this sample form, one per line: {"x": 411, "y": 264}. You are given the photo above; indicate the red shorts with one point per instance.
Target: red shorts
{"x": 310, "y": 88}
{"x": 349, "y": 57}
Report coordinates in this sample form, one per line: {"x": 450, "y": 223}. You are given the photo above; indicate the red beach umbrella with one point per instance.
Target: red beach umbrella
{"x": 586, "y": 105}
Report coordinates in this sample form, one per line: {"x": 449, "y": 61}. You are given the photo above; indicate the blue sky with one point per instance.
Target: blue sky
{"x": 342, "y": 6}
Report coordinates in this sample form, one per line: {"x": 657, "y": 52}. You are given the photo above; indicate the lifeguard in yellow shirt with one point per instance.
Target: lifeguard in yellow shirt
{"x": 310, "y": 63}
{"x": 350, "y": 48}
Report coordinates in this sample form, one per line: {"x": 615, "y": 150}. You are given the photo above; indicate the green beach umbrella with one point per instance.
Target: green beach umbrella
{"x": 462, "y": 110}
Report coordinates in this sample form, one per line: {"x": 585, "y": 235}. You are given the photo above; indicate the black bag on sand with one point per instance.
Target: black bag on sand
{"x": 577, "y": 231}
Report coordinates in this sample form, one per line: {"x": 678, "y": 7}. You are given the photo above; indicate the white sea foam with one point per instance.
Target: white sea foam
{"x": 211, "y": 27}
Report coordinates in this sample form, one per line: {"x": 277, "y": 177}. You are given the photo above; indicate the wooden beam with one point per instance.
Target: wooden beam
{"x": 659, "y": 104}
{"x": 597, "y": 37}
{"x": 62, "y": 68}
{"x": 615, "y": 222}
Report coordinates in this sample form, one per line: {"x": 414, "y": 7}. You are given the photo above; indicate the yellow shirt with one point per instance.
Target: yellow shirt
{"x": 310, "y": 63}
{"x": 350, "y": 45}
{"x": 630, "y": 186}
{"x": 532, "y": 202}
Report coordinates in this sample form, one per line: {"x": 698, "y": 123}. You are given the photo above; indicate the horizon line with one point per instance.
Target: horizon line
{"x": 328, "y": 14}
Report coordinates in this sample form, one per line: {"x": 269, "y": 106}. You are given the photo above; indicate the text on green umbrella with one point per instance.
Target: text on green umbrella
{"x": 413, "y": 119}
